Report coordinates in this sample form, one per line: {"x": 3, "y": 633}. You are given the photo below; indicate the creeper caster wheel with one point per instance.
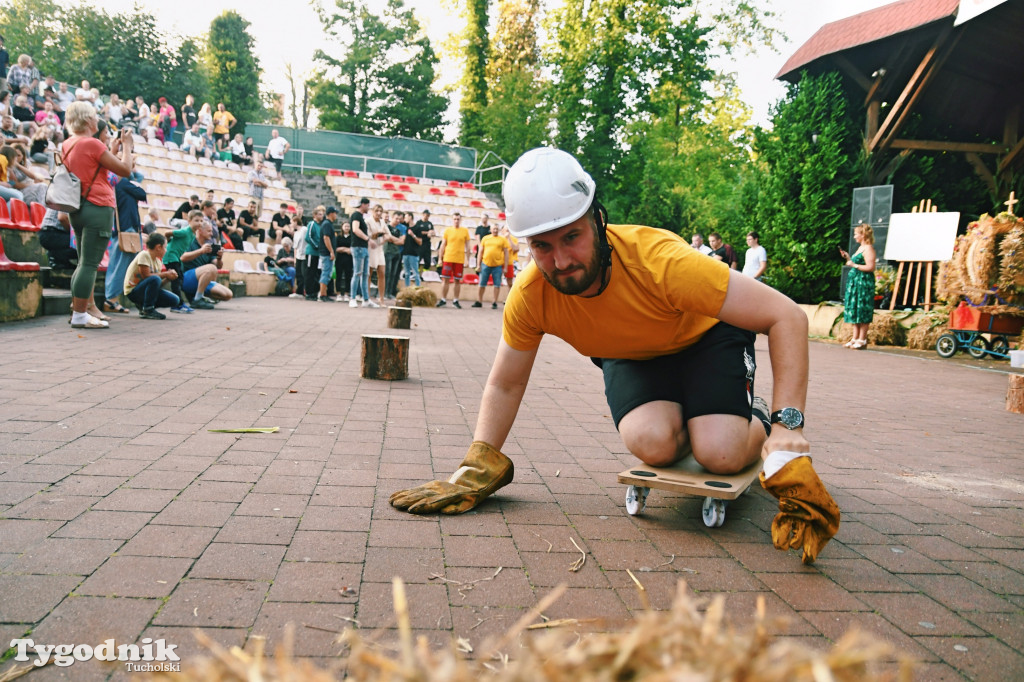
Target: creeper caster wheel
{"x": 713, "y": 512}
{"x": 636, "y": 499}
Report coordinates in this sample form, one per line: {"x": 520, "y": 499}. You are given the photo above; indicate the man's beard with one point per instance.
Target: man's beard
{"x": 580, "y": 280}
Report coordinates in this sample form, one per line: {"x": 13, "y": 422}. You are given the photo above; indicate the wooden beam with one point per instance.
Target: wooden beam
{"x": 909, "y": 88}
{"x": 947, "y": 146}
{"x": 983, "y": 172}
{"x": 847, "y": 67}
{"x": 872, "y": 95}
{"x": 932, "y": 71}
{"x": 1011, "y": 156}
{"x": 874, "y": 108}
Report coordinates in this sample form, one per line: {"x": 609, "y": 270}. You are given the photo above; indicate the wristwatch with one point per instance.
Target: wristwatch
{"x": 790, "y": 417}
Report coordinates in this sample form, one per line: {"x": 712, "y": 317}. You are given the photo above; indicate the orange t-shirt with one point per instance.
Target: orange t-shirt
{"x": 663, "y": 295}
{"x": 84, "y": 161}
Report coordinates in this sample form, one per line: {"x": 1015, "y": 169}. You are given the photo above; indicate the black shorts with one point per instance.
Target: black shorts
{"x": 713, "y": 376}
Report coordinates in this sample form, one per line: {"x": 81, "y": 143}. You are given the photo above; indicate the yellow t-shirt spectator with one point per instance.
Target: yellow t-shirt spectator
{"x": 662, "y": 296}
{"x": 3, "y": 168}
{"x": 455, "y": 244}
{"x": 131, "y": 275}
{"x": 222, "y": 120}
{"x": 493, "y": 249}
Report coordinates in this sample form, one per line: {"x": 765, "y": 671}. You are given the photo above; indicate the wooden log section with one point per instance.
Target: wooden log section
{"x": 399, "y": 317}
{"x": 1015, "y": 394}
{"x": 385, "y": 357}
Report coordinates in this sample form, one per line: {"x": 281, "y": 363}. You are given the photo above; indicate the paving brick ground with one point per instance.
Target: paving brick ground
{"x": 122, "y": 516}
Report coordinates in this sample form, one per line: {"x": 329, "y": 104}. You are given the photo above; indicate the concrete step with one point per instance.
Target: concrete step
{"x": 55, "y": 301}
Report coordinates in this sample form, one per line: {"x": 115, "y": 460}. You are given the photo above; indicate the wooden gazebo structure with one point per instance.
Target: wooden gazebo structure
{"x": 959, "y": 67}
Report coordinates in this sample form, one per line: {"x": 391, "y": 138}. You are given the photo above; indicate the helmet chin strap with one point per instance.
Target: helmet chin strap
{"x": 604, "y": 248}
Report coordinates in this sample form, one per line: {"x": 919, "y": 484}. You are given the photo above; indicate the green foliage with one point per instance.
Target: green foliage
{"x": 814, "y": 160}
{"x": 383, "y": 84}
{"x": 122, "y": 53}
{"x": 516, "y": 119}
{"x": 609, "y": 58}
{"x": 474, "y": 79}
{"x": 234, "y": 70}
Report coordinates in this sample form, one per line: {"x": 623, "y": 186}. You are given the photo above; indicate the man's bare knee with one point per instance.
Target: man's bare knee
{"x": 656, "y": 444}
{"x": 722, "y": 462}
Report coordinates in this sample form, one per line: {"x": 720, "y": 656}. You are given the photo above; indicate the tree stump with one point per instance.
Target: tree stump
{"x": 385, "y": 357}
{"x": 399, "y": 317}
{"x": 1015, "y": 394}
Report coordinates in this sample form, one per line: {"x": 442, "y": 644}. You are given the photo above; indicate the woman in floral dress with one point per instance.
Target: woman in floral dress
{"x": 860, "y": 286}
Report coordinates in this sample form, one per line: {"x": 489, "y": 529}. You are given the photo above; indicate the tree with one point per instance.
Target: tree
{"x": 383, "y": 85}
{"x": 122, "y": 53}
{"x": 234, "y": 69}
{"x": 516, "y": 119}
{"x": 814, "y": 157}
{"x": 474, "y": 80}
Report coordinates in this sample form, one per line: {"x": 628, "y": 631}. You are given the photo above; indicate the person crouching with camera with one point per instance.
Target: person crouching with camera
{"x": 200, "y": 263}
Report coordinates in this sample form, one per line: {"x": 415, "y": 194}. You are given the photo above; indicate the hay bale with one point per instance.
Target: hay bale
{"x": 682, "y": 643}
{"x": 845, "y": 333}
{"x": 886, "y": 331}
{"x": 410, "y": 297}
{"x": 923, "y": 336}
{"x": 1011, "y": 265}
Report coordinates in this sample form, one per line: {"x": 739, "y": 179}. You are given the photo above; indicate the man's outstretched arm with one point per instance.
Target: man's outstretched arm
{"x": 484, "y": 469}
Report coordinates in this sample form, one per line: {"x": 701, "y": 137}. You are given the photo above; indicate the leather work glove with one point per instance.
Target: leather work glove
{"x": 483, "y": 471}
{"x": 808, "y": 516}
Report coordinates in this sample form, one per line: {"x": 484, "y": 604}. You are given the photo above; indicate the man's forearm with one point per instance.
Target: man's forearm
{"x": 787, "y": 350}
{"x": 498, "y": 408}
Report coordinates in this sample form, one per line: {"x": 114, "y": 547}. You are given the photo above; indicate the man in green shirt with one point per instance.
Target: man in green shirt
{"x": 177, "y": 243}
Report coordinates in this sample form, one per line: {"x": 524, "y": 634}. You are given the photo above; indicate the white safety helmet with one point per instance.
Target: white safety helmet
{"x": 546, "y": 189}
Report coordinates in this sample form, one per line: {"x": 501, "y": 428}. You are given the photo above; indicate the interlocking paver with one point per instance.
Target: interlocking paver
{"x": 113, "y": 485}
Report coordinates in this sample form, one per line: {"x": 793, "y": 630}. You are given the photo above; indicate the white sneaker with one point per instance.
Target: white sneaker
{"x": 371, "y": 304}
{"x": 345, "y": 298}
{"x": 294, "y": 295}
{"x": 339, "y": 299}
{"x": 353, "y": 304}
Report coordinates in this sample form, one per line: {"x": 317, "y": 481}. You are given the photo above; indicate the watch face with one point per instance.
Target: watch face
{"x": 791, "y": 418}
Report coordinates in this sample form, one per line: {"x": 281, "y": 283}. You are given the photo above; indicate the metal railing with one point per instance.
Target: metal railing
{"x": 362, "y": 162}
{"x": 481, "y": 174}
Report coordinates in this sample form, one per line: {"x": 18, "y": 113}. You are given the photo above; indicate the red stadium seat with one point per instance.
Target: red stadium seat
{"x": 450, "y": 193}
{"x": 38, "y": 213}
{"x": 468, "y": 185}
{"x": 396, "y": 178}
{"x": 334, "y": 171}
{"x": 5, "y": 216}
{"x": 501, "y": 216}
{"x": 380, "y": 176}
{"x": 411, "y": 180}
{"x": 351, "y": 174}
{"x": 476, "y": 204}
{"x": 435, "y": 190}
{"x": 105, "y": 262}
{"x": 405, "y": 188}
{"x": 21, "y": 217}
{"x": 471, "y": 278}
{"x": 8, "y": 265}
{"x": 389, "y": 186}
{"x": 398, "y": 196}
{"x": 454, "y": 183}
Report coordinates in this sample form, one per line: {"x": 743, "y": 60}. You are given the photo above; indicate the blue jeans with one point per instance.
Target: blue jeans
{"x": 117, "y": 267}
{"x": 360, "y": 273}
{"x": 411, "y": 268}
{"x": 492, "y": 273}
{"x": 149, "y": 294}
{"x": 326, "y": 270}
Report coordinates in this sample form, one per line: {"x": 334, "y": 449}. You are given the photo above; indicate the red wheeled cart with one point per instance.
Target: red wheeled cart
{"x": 967, "y": 325}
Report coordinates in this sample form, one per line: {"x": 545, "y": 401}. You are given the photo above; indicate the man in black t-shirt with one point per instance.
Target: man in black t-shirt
{"x": 360, "y": 289}
{"x": 722, "y": 251}
{"x": 187, "y": 207}
{"x": 326, "y": 252}
{"x": 226, "y": 224}
{"x": 425, "y": 229}
{"x": 482, "y": 230}
{"x": 413, "y": 241}
{"x": 281, "y": 225}
{"x": 247, "y": 220}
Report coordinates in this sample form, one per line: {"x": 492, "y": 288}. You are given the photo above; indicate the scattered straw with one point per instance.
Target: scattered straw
{"x": 679, "y": 644}
{"x": 578, "y": 564}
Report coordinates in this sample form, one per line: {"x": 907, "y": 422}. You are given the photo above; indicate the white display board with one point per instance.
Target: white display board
{"x": 921, "y": 236}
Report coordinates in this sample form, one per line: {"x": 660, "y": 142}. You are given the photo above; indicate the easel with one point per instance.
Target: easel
{"x": 914, "y": 269}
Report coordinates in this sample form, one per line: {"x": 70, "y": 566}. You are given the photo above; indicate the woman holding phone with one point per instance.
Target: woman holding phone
{"x": 86, "y": 157}
{"x": 860, "y": 286}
